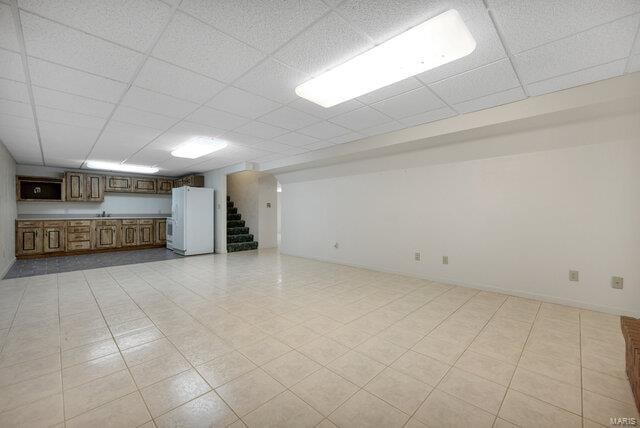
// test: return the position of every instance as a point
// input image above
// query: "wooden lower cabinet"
(42, 238)
(54, 236)
(129, 233)
(146, 235)
(29, 239)
(106, 234)
(161, 231)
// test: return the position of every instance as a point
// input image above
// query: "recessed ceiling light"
(197, 147)
(435, 42)
(115, 166)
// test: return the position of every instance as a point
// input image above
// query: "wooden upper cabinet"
(54, 236)
(119, 184)
(193, 180)
(94, 188)
(75, 186)
(29, 238)
(144, 184)
(165, 185)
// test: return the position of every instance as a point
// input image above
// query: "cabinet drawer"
(54, 224)
(107, 222)
(146, 221)
(130, 222)
(82, 229)
(79, 223)
(22, 223)
(82, 245)
(75, 237)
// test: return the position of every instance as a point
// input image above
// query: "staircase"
(238, 236)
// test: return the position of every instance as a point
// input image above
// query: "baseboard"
(484, 287)
(4, 272)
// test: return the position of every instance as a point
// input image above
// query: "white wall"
(251, 192)
(217, 180)
(513, 212)
(114, 203)
(7, 209)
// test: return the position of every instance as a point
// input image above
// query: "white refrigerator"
(190, 228)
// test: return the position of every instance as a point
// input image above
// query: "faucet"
(104, 214)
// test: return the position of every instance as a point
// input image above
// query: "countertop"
(87, 216)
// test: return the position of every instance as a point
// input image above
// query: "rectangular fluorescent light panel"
(198, 147)
(115, 166)
(435, 42)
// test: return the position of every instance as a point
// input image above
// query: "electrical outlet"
(617, 282)
(417, 256)
(445, 260)
(574, 275)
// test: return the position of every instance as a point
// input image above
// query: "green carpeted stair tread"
(234, 217)
(237, 230)
(241, 246)
(248, 237)
(235, 223)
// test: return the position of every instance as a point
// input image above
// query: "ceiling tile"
(261, 130)
(69, 118)
(496, 77)
(216, 118)
(272, 146)
(143, 118)
(54, 42)
(364, 117)
(488, 49)
(429, 116)
(201, 48)
(346, 138)
(64, 79)
(254, 22)
(634, 64)
(15, 108)
(319, 145)
(327, 43)
(526, 24)
(119, 140)
(130, 23)
(13, 91)
(73, 103)
(8, 38)
(323, 130)
(62, 141)
(397, 88)
(171, 80)
(322, 112)
(21, 142)
(410, 103)
(273, 80)
(242, 103)
(382, 19)
(288, 118)
(162, 146)
(242, 139)
(154, 102)
(295, 139)
(383, 128)
(581, 77)
(597, 46)
(11, 66)
(11, 121)
(506, 97)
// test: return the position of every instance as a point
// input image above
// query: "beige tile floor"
(260, 339)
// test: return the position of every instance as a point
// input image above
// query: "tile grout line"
(456, 360)
(177, 350)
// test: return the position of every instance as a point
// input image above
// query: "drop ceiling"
(128, 81)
